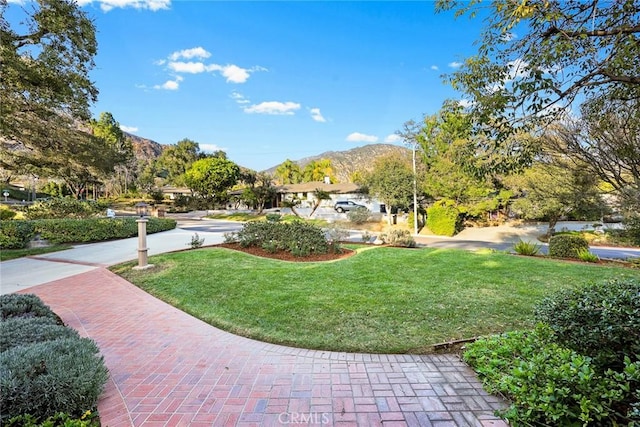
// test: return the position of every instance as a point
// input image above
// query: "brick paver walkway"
(170, 369)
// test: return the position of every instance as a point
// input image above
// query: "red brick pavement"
(170, 369)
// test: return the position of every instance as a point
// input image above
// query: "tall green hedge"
(16, 234)
(443, 218)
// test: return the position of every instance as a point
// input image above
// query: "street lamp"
(142, 212)
(415, 193)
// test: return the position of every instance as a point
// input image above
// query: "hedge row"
(17, 234)
(45, 368)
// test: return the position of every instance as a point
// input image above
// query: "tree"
(259, 189)
(115, 140)
(211, 178)
(288, 172)
(319, 196)
(537, 57)
(176, 159)
(45, 67)
(391, 181)
(317, 170)
(554, 188)
(605, 141)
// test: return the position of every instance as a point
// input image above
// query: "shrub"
(587, 256)
(64, 375)
(443, 218)
(25, 306)
(598, 320)
(88, 419)
(399, 237)
(359, 215)
(15, 234)
(551, 385)
(6, 213)
(273, 217)
(335, 236)
(632, 229)
(64, 207)
(366, 237)
(526, 248)
(297, 237)
(196, 241)
(566, 245)
(18, 331)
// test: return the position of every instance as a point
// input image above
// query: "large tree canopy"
(212, 177)
(44, 65)
(605, 141)
(537, 57)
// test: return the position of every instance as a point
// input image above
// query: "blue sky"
(265, 81)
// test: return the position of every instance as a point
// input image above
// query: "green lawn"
(8, 254)
(382, 300)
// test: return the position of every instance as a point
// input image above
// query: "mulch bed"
(287, 256)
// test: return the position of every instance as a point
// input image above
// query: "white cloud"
(231, 72)
(239, 98)
(107, 5)
(170, 84)
(317, 115)
(273, 107)
(130, 129)
(210, 148)
(517, 68)
(434, 68)
(235, 74)
(465, 103)
(195, 52)
(455, 64)
(393, 138)
(361, 137)
(187, 67)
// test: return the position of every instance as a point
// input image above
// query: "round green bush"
(25, 306)
(64, 375)
(598, 320)
(20, 331)
(567, 245)
(297, 237)
(443, 218)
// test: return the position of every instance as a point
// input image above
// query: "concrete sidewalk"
(22, 273)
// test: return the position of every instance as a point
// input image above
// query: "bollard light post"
(142, 212)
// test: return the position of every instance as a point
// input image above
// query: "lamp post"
(141, 211)
(415, 193)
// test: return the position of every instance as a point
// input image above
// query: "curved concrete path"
(170, 369)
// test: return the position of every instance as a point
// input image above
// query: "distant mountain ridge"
(145, 149)
(345, 163)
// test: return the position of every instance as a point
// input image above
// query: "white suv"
(347, 205)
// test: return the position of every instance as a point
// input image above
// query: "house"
(305, 192)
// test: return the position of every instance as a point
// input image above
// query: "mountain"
(346, 162)
(145, 149)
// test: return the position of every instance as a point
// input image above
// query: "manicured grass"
(8, 254)
(384, 300)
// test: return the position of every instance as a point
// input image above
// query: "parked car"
(346, 206)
